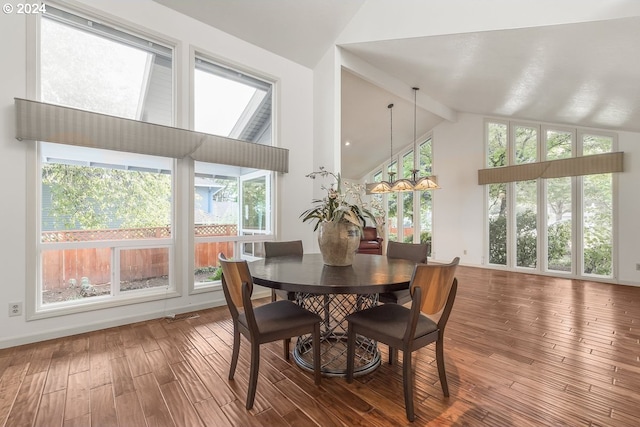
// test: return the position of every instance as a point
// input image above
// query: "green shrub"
(217, 274)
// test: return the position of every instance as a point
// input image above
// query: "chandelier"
(416, 183)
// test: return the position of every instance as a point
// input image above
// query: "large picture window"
(106, 217)
(533, 224)
(232, 205)
(409, 215)
(119, 187)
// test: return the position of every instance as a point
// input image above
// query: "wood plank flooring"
(521, 350)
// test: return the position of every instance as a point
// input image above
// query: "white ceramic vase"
(338, 242)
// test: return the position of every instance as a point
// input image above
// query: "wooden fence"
(61, 267)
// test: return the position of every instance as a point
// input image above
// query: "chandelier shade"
(426, 183)
(402, 185)
(379, 188)
(416, 183)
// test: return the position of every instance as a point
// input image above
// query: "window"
(496, 137)
(233, 205)
(392, 204)
(106, 217)
(407, 200)
(559, 201)
(597, 211)
(231, 103)
(526, 198)
(408, 214)
(87, 65)
(532, 224)
(425, 212)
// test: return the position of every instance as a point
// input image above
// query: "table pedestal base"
(333, 309)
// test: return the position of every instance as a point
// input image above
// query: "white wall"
(12, 175)
(628, 230)
(294, 115)
(326, 150)
(458, 217)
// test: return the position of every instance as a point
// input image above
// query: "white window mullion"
(511, 226)
(543, 227)
(541, 235)
(511, 203)
(579, 226)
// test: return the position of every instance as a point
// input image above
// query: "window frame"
(512, 187)
(381, 173)
(34, 308)
(542, 199)
(580, 134)
(577, 241)
(238, 241)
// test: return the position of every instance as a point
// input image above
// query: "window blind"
(575, 166)
(39, 121)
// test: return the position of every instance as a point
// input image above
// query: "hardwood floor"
(521, 350)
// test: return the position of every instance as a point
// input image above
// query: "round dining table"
(333, 293)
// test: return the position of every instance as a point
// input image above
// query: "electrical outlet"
(15, 309)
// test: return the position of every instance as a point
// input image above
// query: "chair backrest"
(234, 273)
(369, 233)
(274, 249)
(416, 252)
(435, 281)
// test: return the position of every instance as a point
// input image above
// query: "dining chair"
(266, 323)
(416, 252)
(288, 248)
(433, 289)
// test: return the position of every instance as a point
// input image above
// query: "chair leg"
(351, 352)
(317, 362)
(441, 371)
(407, 381)
(393, 355)
(253, 375)
(285, 345)
(273, 295)
(235, 351)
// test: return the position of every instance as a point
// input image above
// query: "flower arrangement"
(342, 203)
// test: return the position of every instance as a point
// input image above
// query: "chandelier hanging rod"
(416, 183)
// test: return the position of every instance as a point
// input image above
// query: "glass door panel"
(526, 224)
(498, 224)
(559, 224)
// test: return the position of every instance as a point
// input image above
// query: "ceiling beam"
(377, 77)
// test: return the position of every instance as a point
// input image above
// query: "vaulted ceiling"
(581, 74)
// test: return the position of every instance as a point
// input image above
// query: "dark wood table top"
(369, 274)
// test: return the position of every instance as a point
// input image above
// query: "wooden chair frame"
(270, 322)
(287, 248)
(433, 291)
(416, 252)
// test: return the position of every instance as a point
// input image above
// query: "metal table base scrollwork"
(333, 308)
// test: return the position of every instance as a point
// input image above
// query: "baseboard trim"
(111, 323)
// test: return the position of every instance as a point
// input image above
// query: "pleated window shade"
(39, 121)
(575, 166)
